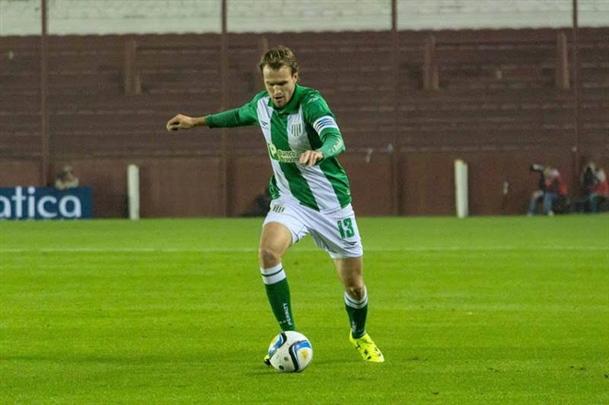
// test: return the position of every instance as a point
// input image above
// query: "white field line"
(306, 249)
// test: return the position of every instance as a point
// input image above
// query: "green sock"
(278, 293)
(357, 311)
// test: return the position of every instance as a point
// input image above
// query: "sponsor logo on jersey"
(284, 156)
(337, 146)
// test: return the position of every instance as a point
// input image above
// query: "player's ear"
(295, 76)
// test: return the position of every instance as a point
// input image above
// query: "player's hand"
(180, 121)
(310, 157)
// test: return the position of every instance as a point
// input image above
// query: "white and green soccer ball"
(290, 352)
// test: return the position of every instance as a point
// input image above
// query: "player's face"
(280, 84)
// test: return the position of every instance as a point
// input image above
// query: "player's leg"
(548, 203)
(282, 227)
(535, 197)
(594, 200)
(350, 272)
(338, 234)
(276, 238)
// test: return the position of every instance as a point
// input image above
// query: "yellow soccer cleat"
(267, 360)
(367, 348)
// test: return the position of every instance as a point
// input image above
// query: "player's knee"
(356, 292)
(268, 257)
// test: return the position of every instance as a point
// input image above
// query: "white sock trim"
(353, 303)
(273, 274)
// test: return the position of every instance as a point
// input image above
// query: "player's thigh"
(337, 233)
(275, 239)
(283, 226)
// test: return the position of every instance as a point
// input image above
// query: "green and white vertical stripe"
(323, 187)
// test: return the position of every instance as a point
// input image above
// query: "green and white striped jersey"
(305, 123)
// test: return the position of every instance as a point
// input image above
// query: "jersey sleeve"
(236, 117)
(320, 117)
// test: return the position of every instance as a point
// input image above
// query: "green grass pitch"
(481, 310)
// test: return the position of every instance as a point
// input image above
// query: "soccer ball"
(290, 352)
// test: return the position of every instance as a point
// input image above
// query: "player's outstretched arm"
(181, 121)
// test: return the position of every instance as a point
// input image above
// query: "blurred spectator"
(552, 191)
(595, 186)
(66, 179)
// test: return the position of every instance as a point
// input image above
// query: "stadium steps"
(90, 113)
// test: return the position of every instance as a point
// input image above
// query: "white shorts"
(334, 232)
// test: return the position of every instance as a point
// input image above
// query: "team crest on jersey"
(296, 129)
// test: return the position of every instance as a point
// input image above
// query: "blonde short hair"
(277, 57)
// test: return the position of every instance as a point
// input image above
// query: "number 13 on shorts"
(345, 228)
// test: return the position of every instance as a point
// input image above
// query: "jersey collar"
(292, 105)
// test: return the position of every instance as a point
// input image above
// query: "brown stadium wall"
(496, 99)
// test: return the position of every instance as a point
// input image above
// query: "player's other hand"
(310, 157)
(180, 121)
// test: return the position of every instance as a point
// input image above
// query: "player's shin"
(278, 293)
(357, 309)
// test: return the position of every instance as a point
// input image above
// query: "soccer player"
(309, 188)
